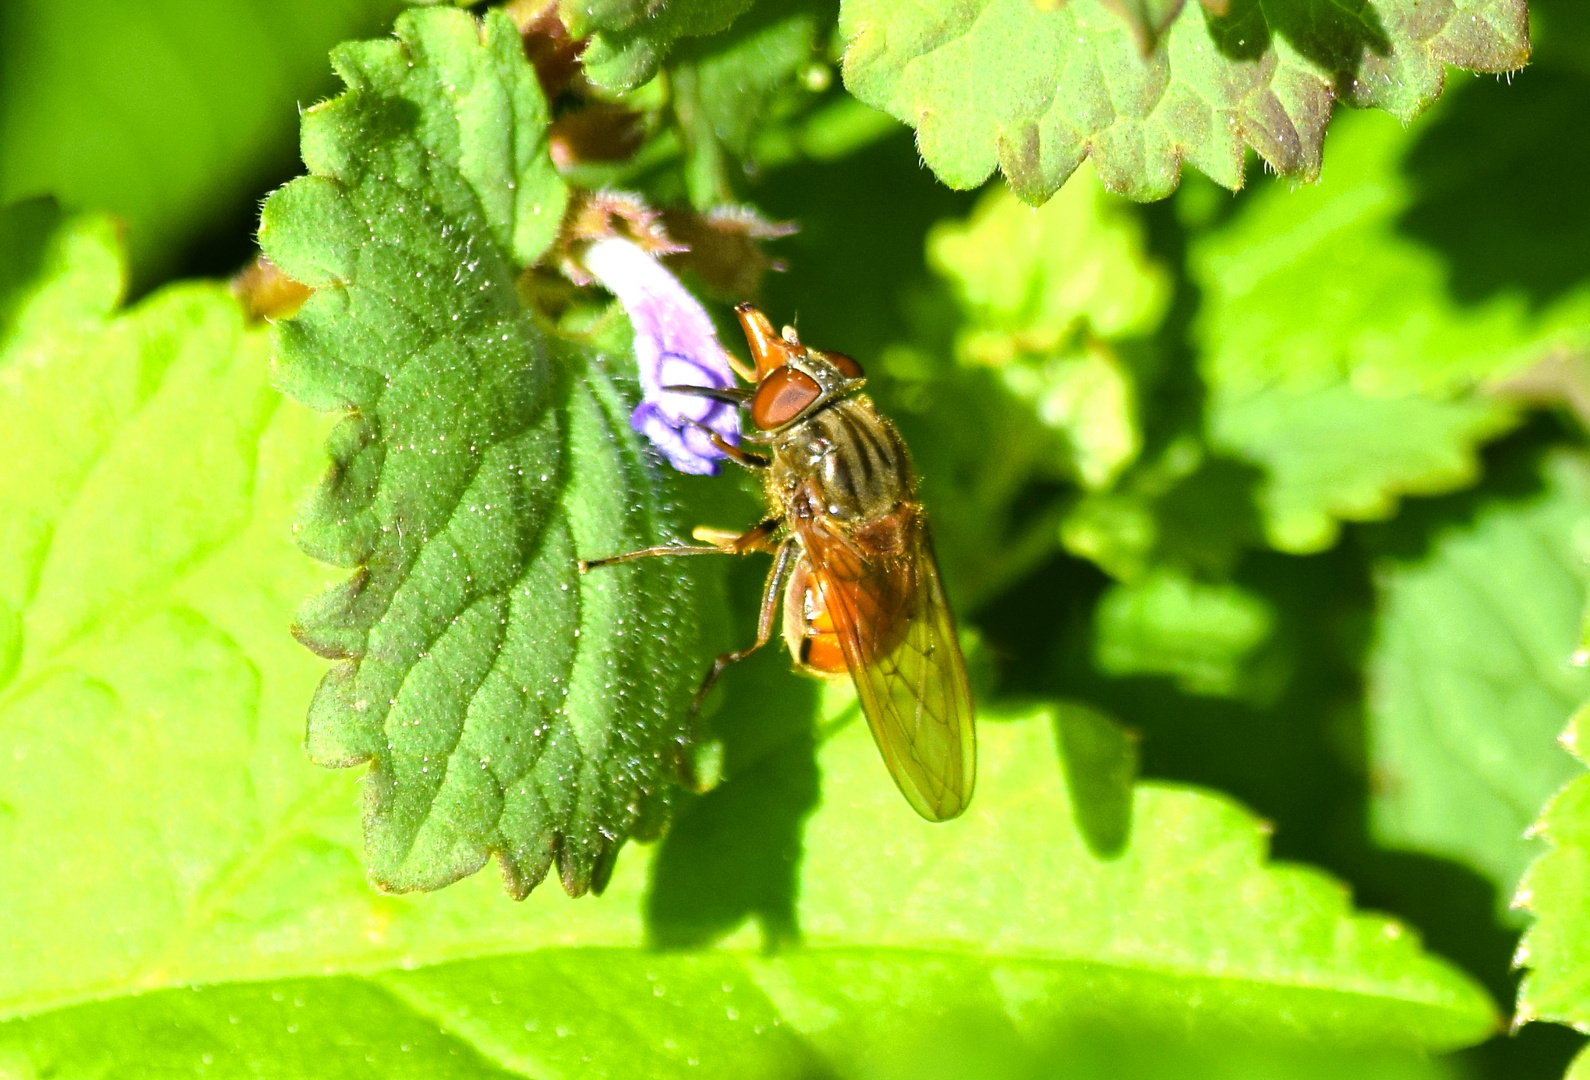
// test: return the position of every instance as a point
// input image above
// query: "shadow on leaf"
(1329, 34)
(1099, 758)
(1496, 161)
(734, 853)
(1301, 760)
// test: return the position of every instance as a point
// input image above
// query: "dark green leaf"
(507, 705)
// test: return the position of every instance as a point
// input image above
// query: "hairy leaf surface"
(507, 704)
(1034, 89)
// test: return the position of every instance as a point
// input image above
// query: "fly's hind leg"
(764, 633)
(764, 623)
(760, 537)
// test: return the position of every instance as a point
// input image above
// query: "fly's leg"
(738, 456)
(764, 623)
(732, 452)
(764, 633)
(721, 542)
(718, 542)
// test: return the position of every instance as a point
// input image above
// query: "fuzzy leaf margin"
(1556, 948)
(1034, 89)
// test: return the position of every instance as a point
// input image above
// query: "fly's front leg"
(732, 452)
(764, 623)
(718, 542)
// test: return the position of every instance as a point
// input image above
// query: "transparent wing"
(882, 590)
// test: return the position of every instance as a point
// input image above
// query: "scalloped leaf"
(507, 705)
(1034, 89)
(150, 765)
(629, 39)
(1555, 950)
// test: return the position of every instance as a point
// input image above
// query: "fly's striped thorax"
(856, 456)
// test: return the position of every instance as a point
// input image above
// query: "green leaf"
(1150, 18)
(137, 676)
(1470, 678)
(724, 88)
(1034, 89)
(631, 38)
(1041, 292)
(1337, 358)
(576, 1013)
(203, 107)
(507, 704)
(1164, 623)
(899, 918)
(1184, 510)
(1555, 949)
(1029, 279)
(150, 766)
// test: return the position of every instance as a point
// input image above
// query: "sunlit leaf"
(1203, 635)
(1471, 677)
(1556, 948)
(900, 920)
(147, 692)
(151, 766)
(618, 1012)
(1034, 89)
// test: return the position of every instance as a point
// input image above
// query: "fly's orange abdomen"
(809, 628)
(823, 653)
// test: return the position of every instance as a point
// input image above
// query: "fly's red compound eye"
(782, 396)
(846, 366)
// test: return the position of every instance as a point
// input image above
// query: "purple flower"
(675, 345)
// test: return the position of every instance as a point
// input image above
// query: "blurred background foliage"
(1278, 494)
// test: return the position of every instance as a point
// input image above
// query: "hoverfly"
(851, 557)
